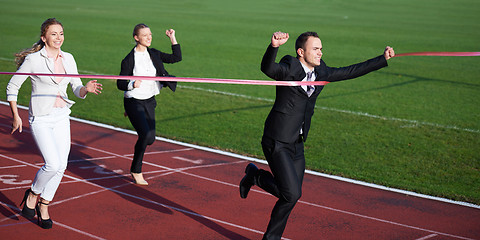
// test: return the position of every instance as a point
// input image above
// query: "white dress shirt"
(143, 67)
(307, 70)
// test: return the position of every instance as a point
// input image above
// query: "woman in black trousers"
(139, 97)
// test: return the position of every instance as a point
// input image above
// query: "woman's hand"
(171, 34)
(137, 83)
(17, 121)
(17, 124)
(94, 87)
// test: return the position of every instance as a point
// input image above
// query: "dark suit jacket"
(293, 109)
(158, 58)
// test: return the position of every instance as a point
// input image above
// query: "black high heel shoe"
(45, 224)
(26, 211)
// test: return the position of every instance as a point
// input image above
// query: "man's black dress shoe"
(248, 180)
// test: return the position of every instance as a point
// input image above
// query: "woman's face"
(54, 36)
(144, 37)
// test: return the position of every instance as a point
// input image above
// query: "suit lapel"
(154, 60)
(49, 63)
(161, 72)
(298, 74)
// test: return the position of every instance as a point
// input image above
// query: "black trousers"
(141, 114)
(287, 164)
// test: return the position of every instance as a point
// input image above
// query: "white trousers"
(52, 135)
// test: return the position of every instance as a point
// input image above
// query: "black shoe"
(249, 180)
(45, 224)
(26, 211)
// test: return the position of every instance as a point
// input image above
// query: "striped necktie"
(310, 88)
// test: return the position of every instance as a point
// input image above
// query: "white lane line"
(427, 237)
(384, 221)
(113, 189)
(78, 231)
(13, 166)
(55, 222)
(242, 157)
(224, 183)
(125, 155)
(198, 161)
(361, 183)
(311, 204)
(394, 119)
(238, 156)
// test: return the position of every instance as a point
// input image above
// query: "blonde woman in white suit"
(49, 113)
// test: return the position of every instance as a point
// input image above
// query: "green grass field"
(414, 125)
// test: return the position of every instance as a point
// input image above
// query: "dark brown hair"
(302, 39)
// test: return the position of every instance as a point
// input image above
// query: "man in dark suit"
(288, 123)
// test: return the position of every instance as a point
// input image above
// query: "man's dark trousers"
(287, 164)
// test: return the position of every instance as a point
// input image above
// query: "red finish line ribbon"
(235, 81)
(179, 79)
(443, 54)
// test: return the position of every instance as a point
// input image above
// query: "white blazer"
(44, 88)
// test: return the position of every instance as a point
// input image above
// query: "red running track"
(193, 194)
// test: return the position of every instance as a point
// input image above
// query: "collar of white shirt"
(44, 53)
(307, 70)
(137, 52)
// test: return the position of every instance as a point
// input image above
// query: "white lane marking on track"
(78, 231)
(385, 221)
(126, 155)
(13, 166)
(103, 189)
(234, 185)
(264, 162)
(218, 181)
(316, 205)
(12, 179)
(101, 169)
(354, 214)
(56, 222)
(198, 161)
(427, 237)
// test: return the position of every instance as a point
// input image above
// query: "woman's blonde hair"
(20, 56)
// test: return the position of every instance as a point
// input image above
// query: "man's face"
(311, 53)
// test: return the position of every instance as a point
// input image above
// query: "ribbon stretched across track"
(443, 54)
(178, 79)
(235, 81)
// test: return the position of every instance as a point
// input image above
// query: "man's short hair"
(302, 39)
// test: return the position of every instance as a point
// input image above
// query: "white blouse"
(143, 67)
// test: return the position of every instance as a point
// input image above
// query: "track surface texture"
(193, 194)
